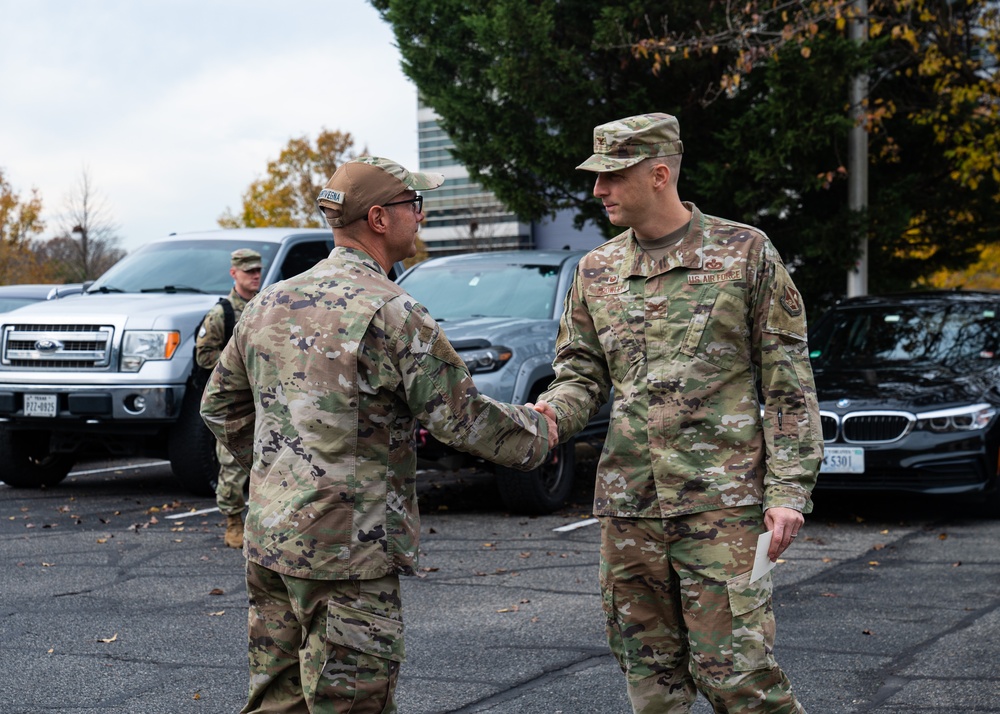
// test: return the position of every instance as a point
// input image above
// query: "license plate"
(843, 460)
(41, 405)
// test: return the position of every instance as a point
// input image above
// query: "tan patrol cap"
(625, 142)
(245, 259)
(359, 184)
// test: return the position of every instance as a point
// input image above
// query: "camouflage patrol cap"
(625, 142)
(245, 259)
(369, 181)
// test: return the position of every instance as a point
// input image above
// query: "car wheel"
(191, 449)
(25, 460)
(541, 490)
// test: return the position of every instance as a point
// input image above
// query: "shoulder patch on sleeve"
(786, 314)
(791, 301)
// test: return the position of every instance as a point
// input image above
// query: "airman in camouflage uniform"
(683, 315)
(245, 269)
(318, 395)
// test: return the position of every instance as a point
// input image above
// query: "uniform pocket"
(363, 652)
(365, 632)
(717, 329)
(753, 622)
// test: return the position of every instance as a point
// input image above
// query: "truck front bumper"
(41, 404)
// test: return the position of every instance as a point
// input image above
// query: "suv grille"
(829, 427)
(874, 427)
(57, 346)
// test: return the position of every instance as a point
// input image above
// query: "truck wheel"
(191, 449)
(25, 461)
(540, 490)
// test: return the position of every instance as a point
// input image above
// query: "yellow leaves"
(108, 640)
(805, 51)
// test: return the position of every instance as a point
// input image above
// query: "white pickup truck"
(108, 371)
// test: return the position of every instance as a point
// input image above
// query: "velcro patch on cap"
(330, 195)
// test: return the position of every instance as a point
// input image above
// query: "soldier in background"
(215, 331)
(684, 315)
(318, 394)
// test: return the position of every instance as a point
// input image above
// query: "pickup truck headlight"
(971, 418)
(489, 359)
(140, 346)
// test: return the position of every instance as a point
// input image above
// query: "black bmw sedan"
(909, 393)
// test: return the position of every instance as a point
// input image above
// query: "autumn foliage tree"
(20, 222)
(932, 114)
(761, 91)
(286, 195)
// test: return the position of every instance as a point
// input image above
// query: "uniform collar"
(687, 253)
(354, 255)
(236, 300)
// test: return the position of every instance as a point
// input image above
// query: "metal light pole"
(84, 249)
(857, 154)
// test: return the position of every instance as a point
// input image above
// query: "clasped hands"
(546, 410)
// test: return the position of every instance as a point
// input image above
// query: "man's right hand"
(546, 410)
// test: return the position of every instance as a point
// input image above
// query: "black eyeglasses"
(418, 200)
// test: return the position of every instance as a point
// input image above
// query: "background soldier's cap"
(245, 259)
(369, 181)
(625, 142)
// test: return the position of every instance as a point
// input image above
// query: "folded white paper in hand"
(761, 563)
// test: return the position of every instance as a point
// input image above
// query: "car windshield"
(181, 266)
(454, 291)
(954, 335)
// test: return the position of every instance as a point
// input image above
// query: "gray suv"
(501, 312)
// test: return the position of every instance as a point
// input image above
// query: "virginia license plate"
(41, 405)
(843, 460)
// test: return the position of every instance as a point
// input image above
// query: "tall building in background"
(463, 217)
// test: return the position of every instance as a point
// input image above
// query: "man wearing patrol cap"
(684, 317)
(318, 394)
(216, 328)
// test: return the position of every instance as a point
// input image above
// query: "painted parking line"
(188, 514)
(574, 526)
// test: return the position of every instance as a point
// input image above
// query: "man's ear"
(377, 219)
(661, 175)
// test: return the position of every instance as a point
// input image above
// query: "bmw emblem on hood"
(843, 403)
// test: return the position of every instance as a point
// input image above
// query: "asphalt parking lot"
(117, 599)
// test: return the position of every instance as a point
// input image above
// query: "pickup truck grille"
(57, 346)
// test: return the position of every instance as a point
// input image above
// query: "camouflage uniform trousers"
(232, 481)
(682, 616)
(323, 646)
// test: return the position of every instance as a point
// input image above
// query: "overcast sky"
(175, 106)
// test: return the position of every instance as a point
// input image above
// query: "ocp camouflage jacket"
(317, 395)
(684, 343)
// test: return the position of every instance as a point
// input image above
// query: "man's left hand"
(784, 524)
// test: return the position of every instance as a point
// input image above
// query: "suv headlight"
(978, 416)
(489, 359)
(140, 346)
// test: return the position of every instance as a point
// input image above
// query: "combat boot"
(234, 530)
